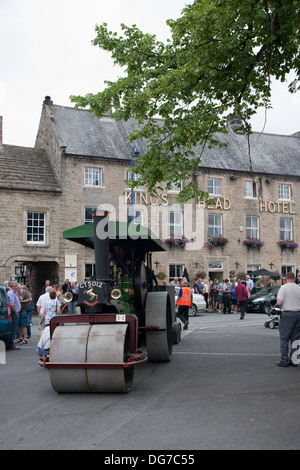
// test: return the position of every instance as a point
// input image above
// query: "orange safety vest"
(248, 292)
(186, 297)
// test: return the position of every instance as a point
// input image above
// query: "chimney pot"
(48, 101)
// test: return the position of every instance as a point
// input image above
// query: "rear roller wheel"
(105, 343)
(176, 332)
(158, 313)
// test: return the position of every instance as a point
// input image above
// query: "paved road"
(222, 390)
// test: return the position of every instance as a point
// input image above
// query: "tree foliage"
(219, 61)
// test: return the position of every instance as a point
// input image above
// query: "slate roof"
(270, 154)
(87, 135)
(26, 169)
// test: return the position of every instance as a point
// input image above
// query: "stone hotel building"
(80, 162)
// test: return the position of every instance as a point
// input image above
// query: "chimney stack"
(48, 101)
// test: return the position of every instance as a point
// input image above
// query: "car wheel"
(193, 311)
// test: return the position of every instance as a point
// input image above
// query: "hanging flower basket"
(174, 241)
(252, 242)
(217, 240)
(287, 245)
(161, 275)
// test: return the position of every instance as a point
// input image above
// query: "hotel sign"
(278, 207)
(220, 203)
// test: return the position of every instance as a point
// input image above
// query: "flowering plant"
(217, 240)
(176, 241)
(161, 275)
(288, 244)
(252, 242)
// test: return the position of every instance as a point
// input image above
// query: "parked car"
(199, 303)
(5, 317)
(264, 301)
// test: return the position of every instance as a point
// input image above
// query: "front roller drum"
(159, 330)
(99, 344)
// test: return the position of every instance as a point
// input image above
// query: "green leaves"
(219, 61)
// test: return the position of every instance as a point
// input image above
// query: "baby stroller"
(274, 313)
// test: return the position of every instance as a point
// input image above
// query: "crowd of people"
(227, 296)
(232, 296)
(51, 302)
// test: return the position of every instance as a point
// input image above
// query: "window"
(175, 270)
(215, 265)
(175, 187)
(250, 189)
(214, 224)
(92, 176)
(286, 228)
(137, 216)
(252, 226)
(90, 270)
(134, 177)
(252, 267)
(88, 214)
(286, 269)
(36, 228)
(214, 186)
(175, 224)
(284, 192)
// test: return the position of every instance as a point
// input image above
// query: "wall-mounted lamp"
(270, 181)
(197, 173)
(233, 177)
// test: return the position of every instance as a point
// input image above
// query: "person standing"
(47, 284)
(226, 296)
(50, 309)
(288, 299)
(242, 296)
(234, 300)
(258, 285)
(73, 304)
(25, 299)
(15, 306)
(175, 282)
(249, 283)
(214, 294)
(184, 302)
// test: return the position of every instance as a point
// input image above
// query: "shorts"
(214, 296)
(23, 318)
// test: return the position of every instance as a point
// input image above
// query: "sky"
(45, 49)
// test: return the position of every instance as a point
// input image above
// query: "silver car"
(199, 303)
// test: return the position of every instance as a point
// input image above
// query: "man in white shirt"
(249, 283)
(40, 305)
(288, 298)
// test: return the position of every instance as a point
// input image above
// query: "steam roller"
(126, 318)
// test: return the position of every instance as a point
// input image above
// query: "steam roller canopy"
(100, 343)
